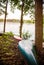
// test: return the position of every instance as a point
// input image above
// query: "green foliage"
(29, 21)
(13, 4)
(25, 35)
(2, 6)
(43, 19)
(5, 43)
(43, 31)
(9, 33)
(27, 5)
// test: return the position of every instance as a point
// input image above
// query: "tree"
(21, 21)
(38, 25)
(3, 9)
(5, 15)
(25, 6)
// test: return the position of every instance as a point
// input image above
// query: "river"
(14, 27)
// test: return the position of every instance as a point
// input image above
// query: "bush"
(26, 35)
(9, 33)
(5, 42)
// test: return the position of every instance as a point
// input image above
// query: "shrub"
(5, 43)
(26, 35)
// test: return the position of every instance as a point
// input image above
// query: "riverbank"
(9, 52)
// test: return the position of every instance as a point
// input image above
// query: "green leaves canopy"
(2, 6)
(27, 5)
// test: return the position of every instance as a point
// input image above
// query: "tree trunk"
(5, 16)
(21, 21)
(38, 25)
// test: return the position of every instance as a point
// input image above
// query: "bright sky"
(15, 15)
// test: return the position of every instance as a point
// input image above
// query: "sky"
(15, 15)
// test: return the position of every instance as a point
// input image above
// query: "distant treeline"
(17, 20)
(29, 21)
(9, 20)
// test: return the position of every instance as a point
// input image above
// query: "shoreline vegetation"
(17, 20)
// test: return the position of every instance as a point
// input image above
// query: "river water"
(14, 27)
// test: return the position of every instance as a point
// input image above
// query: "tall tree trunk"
(38, 25)
(5, 16)
(21, 21)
